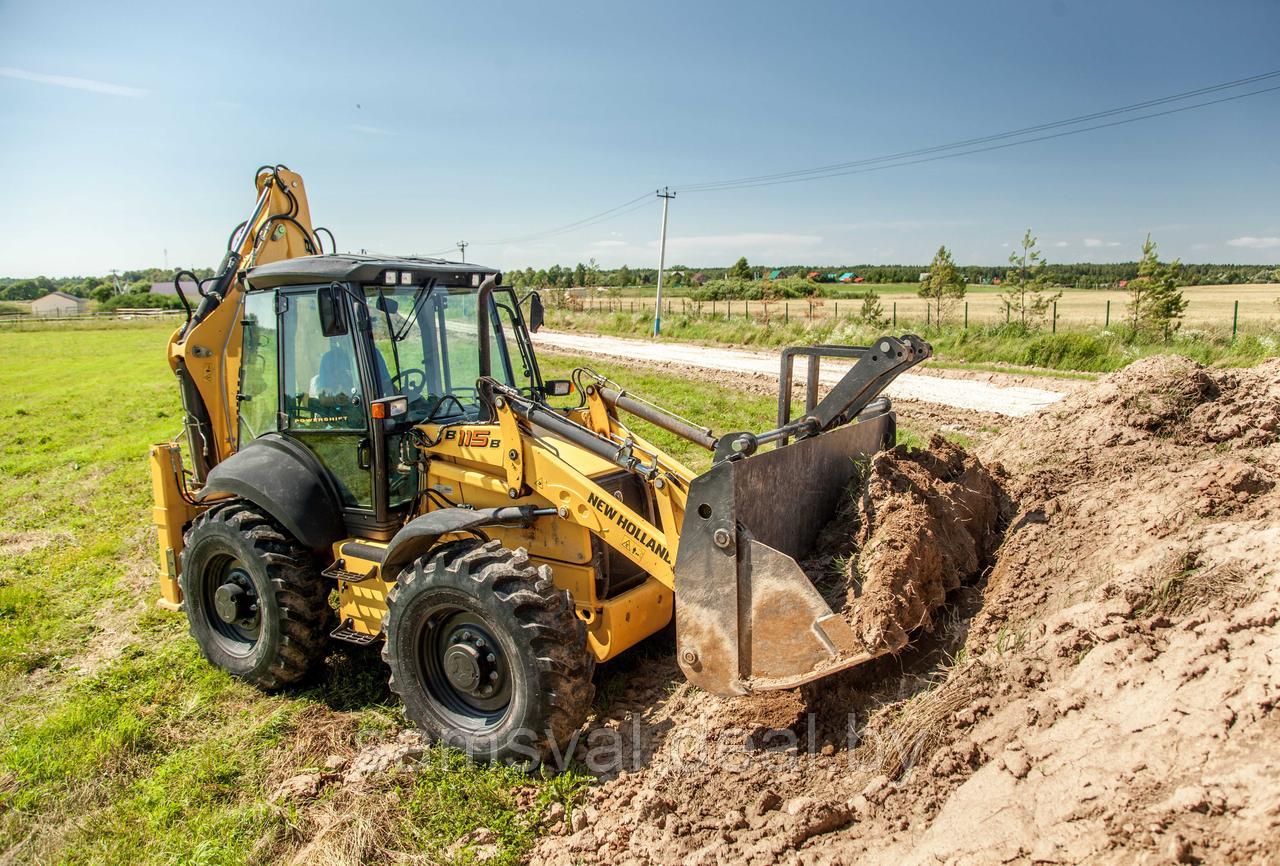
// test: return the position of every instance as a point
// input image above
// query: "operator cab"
(344, 354)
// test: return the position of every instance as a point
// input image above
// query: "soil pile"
(1109, 691)
(921, 523)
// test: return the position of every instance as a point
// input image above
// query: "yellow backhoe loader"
(372, 455)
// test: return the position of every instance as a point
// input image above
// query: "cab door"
(324, 400)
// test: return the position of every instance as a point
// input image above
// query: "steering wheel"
(411, 382)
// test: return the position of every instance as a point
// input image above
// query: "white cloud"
(74, 83)
(369, 130)
(1252, 243)
(1061, 244)
(1093, 243)
(609, 244)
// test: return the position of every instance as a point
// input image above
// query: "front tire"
(487, 654)
(256, 604)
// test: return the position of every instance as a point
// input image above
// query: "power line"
(839, 169)
(605, 215)
(918, 156)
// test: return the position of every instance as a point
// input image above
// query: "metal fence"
(1076, 310)
(122, 314)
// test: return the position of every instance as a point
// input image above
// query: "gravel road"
(958, 393)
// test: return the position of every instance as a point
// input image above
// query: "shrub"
(142, 300)
(728, 289)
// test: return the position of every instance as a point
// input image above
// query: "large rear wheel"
(256, 604)
(487, 654)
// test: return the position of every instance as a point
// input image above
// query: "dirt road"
(958, 393)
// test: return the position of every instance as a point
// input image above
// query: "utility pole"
(666, 195)
(462, 245)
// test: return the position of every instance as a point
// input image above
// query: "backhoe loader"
(372, 455)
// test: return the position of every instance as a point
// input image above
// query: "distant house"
(773, 275)
(813, 275)
(859, 279)
(846, 277)
(1123, 284)
(59, 304)
(166, 289)
(699, 278)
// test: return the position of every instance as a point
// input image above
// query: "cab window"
(321, 380)
(259, 385)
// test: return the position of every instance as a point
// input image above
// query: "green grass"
(1089, 351)
(118, 743)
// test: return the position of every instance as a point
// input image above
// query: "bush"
(728, 290)
(142, 300)
(790, 287)
(732, 289)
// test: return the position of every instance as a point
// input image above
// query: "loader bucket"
(747, 617)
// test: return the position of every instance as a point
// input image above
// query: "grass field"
(978, 346)
(1211, 307)
(118, 743)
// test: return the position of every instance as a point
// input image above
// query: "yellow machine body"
(610, 506)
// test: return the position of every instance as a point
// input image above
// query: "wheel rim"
(231, 605)
(464, 668)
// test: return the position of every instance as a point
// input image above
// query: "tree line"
(103, 289)
(1082, 275)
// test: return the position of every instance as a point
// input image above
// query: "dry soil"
(1101, 684)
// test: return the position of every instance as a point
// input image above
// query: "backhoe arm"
(205, 352)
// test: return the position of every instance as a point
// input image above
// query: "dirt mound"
(925, 521)
(1109, 691)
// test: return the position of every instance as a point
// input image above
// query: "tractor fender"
(284, 479)
(422, 533)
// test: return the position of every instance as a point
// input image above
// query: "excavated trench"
(1093, 672)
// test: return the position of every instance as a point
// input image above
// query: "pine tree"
(1026, 280)
(1156, 304)
(943, 288)
(872, 312)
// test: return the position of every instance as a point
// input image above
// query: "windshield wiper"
(424, 292)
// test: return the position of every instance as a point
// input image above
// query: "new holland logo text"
(628, 526)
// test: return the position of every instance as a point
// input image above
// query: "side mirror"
(329, 302)
(536, 312)
(557, 387)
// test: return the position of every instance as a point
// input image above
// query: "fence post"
(966, 315)
(786, 312)
(895, 315)
(1235, 321)
(1006, 312)
(1106, 323)
(1055, 317)
(837, 309)
(928, 313)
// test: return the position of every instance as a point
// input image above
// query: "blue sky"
(130, 129)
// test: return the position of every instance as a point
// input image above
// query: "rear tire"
(256, 604)
(487, 654)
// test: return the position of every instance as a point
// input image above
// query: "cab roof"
(347, 267)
